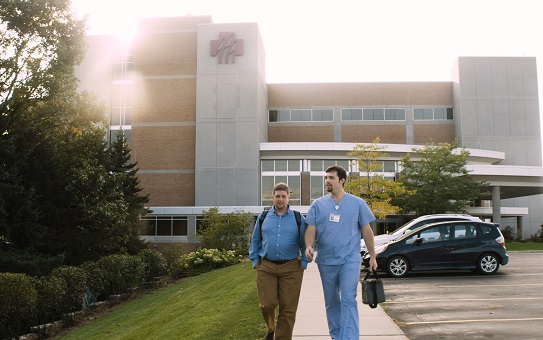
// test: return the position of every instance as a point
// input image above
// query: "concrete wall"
(230, 108)
(497, 107)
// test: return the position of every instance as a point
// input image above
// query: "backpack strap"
(261, 220)
(298, 217)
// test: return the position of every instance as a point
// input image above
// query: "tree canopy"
(373, 187)
(438, 181)
(63, 192)
(229, 231)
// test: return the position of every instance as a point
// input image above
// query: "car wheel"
(397, 266)
(488, 264)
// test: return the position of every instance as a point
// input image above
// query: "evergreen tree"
(126, 173)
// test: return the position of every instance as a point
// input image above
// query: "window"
(323, 115)
(373, 114)
(438, 113)
(281, 170)
(465, 231)
(389, 166)
(386, 166)
(166, 226)
(394, 114)
(317, 187)
(121, 95)
(113, 135)
(322, 164)
(199, 224)
(317, 168)
(267, 165)
(301, 115)
(434, 234)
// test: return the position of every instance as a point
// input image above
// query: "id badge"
(334, 217)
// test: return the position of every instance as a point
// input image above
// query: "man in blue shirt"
(336, 222)
(275, 251)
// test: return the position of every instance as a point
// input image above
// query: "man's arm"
(367, 234)
(310, 234)
(256, 244)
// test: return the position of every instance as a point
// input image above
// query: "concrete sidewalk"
(311, 323)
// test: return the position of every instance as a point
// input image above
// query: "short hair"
(341, 172)
(281, 186)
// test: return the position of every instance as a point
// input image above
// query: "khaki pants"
(279, 285)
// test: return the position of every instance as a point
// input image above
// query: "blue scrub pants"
(340, 285)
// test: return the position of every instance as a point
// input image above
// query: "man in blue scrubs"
(276, 246)
(336, 222)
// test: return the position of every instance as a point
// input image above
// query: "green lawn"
(514, 246)
(222, 304)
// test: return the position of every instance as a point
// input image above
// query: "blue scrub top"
(338, 228)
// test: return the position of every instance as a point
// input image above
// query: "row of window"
(167, 225)
(298, 165)
(301, 115)
(289, 172)
(359, 114)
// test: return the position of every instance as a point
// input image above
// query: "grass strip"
(221, 304)
(520, 246)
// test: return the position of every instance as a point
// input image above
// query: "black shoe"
(269, 336)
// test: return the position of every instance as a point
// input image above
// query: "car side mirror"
(419, 240)
(408, 230)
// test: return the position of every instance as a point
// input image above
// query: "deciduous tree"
(438, 181)
(372, 186)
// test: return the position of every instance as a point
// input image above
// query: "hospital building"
(206, 130)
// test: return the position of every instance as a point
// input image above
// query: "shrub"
(508, 234)
(122, 272)
(97, 283)
(171, 254)
(204, 260)
(20, 261)
(51, 292)
(76, 284)
(18, 301)
(538, 236)
(155, 264)
(226, 231)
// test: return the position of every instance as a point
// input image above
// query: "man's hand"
(372, 264)
(309, 253)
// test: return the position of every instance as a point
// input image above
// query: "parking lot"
(466, 305)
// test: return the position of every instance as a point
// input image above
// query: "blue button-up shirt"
(278, 239)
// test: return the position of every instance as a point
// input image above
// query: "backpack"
(297, 215)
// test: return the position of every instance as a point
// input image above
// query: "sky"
(354, 40)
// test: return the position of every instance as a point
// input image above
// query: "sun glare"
(119, 20)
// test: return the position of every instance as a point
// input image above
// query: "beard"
(329, 188)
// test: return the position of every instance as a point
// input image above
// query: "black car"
(444, 245)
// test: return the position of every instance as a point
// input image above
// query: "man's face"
(332, 182)
(280, 199)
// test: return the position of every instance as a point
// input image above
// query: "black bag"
(373, 291)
